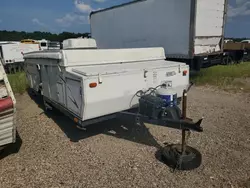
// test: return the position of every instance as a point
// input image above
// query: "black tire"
(228, 60)
(171, 156)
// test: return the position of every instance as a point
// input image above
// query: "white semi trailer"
(191, 31)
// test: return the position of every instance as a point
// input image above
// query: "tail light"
(185, 72)
(93, 84)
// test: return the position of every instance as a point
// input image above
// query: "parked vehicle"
(29, 41)
(43, 44)
(7, 110)
(245, 41)
(236, 52)
(228, 40)
(12, 55)
(52, 45)
(91, 85)
(191, 31)
(48, 45)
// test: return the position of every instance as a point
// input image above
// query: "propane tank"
(167, 94)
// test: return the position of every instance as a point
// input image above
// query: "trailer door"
(209, 29)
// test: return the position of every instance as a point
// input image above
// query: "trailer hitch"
(177, 156)
(182, 124)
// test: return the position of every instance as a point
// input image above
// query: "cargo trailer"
(191, 31)
(90, 84)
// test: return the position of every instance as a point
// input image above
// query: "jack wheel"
(172, 156)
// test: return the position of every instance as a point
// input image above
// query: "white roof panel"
(51, 54)
(107, 56)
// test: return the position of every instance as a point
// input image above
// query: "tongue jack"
(182, 157)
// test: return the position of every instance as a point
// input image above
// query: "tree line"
(37, 35)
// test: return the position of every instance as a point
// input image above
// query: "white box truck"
(191, 31)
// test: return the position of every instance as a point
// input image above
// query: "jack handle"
(189, 87)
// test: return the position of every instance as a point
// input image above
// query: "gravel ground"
(51, 152)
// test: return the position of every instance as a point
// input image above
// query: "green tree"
(38, 35)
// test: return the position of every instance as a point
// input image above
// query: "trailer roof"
(76, 57)
(125, 67)
(116, 6)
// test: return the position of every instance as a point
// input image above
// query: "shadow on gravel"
(120, 129)
(11, 148)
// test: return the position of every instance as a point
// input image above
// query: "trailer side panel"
(150, 23)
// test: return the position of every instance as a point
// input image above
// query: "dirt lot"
(51, 152)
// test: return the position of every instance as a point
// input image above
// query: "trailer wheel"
(171, 155)
(228, 60)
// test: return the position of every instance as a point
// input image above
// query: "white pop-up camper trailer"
(89, 84)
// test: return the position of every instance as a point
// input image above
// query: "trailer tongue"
(157, 110)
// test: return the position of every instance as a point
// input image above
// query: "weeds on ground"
(228, 77)
(18, 82)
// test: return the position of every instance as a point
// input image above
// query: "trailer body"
(89, 84)
(12, 54)
(7, 110)
(186, 29)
